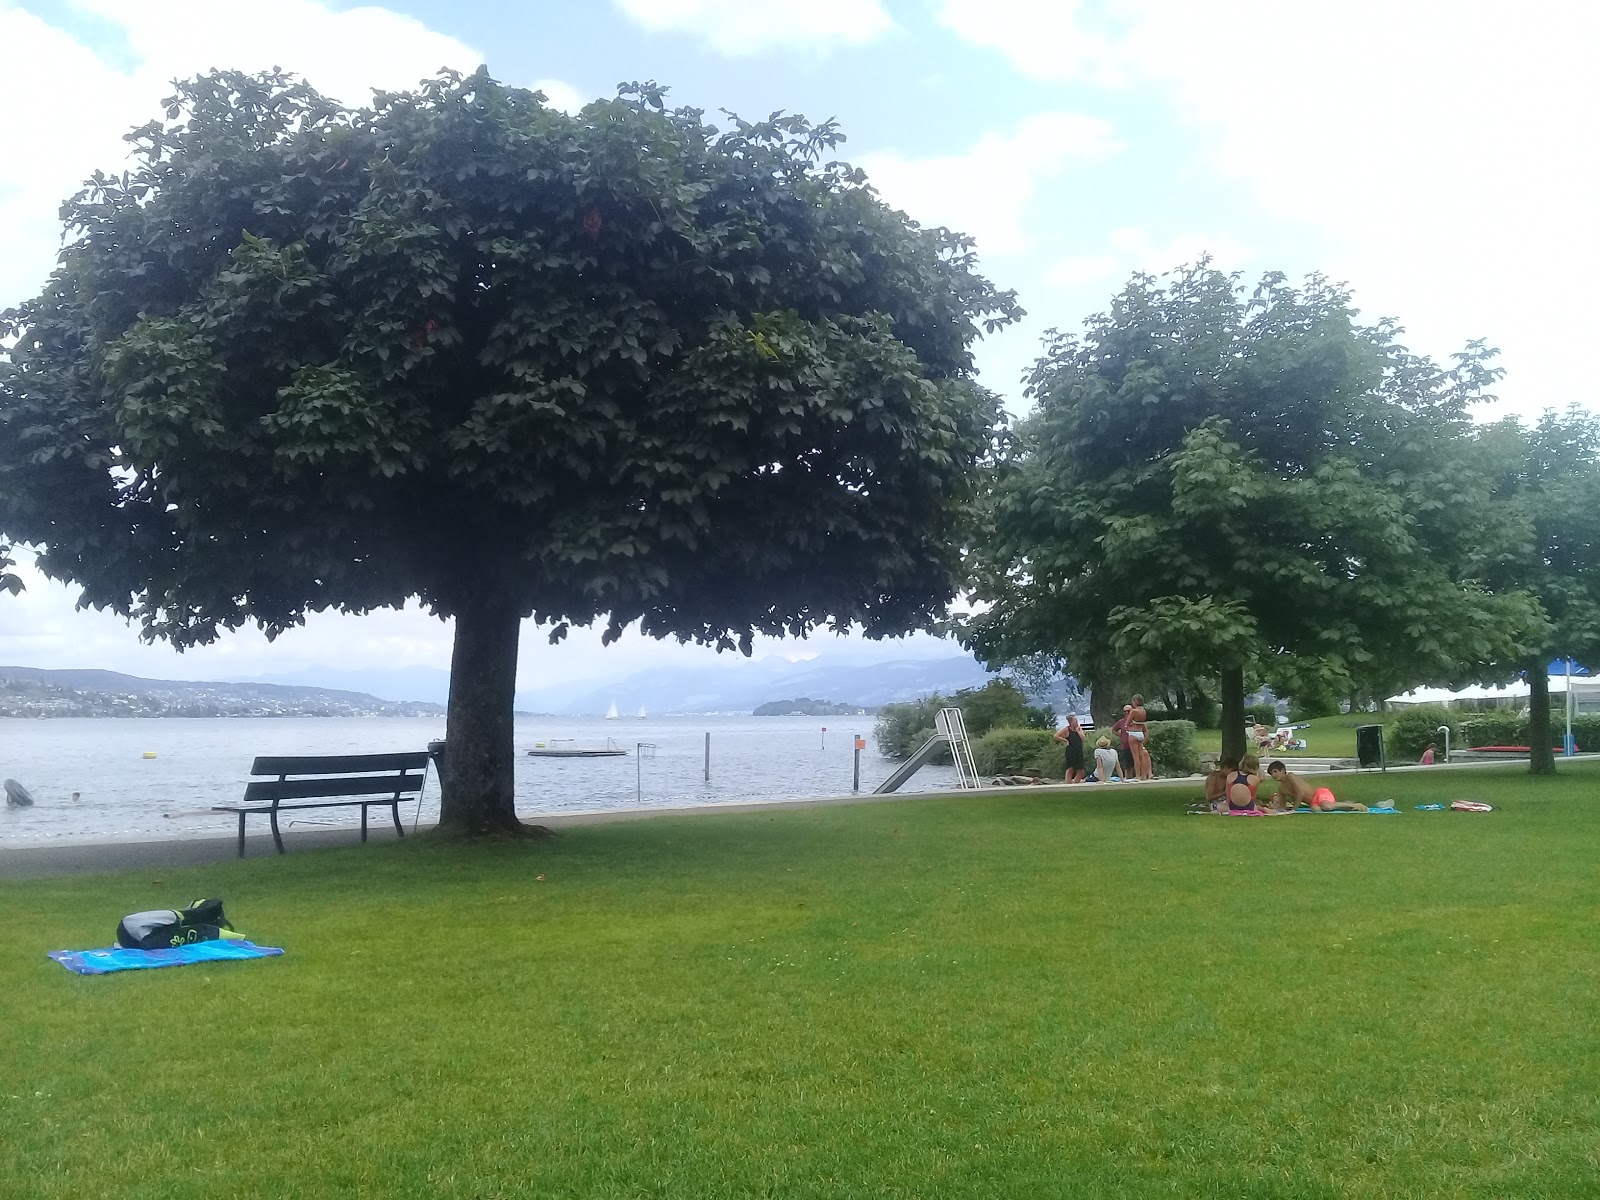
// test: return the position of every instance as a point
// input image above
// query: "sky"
(1435, 156)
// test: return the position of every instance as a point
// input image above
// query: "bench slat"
(266, 791)
(340, 764)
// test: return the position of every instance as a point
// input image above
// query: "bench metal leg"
(394, 811)
(363, 822)
(241, 835)
(277, 837)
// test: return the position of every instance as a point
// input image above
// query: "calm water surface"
(202, 762)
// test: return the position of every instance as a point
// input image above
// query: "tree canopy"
(461, 346)
(1550, 487)
(1225, 480)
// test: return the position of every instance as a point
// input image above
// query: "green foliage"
(8, 581)
(1312, 701)
(1512, 729)
(901, 729)
(1005, 751)
(1409, 733)
(463, 347)
(1262, 714)
(1171, 747)
(1550, 488)
(1000, 704)
(1220, 478)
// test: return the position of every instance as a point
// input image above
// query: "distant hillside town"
(804, 706)
(34, 692)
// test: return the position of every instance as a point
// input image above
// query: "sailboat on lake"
(611, 713)
(641, 713)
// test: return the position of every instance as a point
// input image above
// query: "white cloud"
(1438, 148)
(988, 190)
(1045, 39)
(741, 27)
(560, 95)
(80, 104)
(1129, 250)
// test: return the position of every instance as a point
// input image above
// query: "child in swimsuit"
(1243, 783)
(1293, 790)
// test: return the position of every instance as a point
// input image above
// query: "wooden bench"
(337, 778)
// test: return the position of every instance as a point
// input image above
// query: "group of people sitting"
(1128, 759)
(1232, 788)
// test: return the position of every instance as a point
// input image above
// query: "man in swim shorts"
(1294, 790)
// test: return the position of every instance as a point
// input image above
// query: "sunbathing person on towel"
(1294, 790)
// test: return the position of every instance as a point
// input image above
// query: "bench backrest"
(339, 775)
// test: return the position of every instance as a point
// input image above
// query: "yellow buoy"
(149, 753)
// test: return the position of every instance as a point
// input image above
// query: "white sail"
(641, 712)
(611, 713)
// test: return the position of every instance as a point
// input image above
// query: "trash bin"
(1369, 746)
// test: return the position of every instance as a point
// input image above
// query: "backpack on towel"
(163, 928)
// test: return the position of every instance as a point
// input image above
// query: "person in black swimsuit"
(1072, 734)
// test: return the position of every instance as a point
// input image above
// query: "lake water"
(201, 762)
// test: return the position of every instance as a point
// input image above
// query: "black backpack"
(163, 928)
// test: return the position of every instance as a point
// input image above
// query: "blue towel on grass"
(103, 962)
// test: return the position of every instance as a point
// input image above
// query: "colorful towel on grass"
(112, 958)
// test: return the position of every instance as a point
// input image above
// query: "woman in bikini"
(1137, 739)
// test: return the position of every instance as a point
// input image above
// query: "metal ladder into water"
(948, 722)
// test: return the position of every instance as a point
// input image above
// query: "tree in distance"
(1550, 481)
(1220, 481)
(462, 347)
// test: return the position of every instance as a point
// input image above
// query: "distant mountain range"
(39, 692)
(728, 684)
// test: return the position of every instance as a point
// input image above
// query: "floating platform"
(565, 752)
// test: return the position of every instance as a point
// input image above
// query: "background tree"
(463, 347)
(1221, 481)
(1550, 482)
(9, 582)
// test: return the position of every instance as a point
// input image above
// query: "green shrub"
(1012, 751)
(1312, 701)
(1050, 762)
(1408, 734)
(999, 704)
(1493, 729)
(1262, 714)
(1205, 712)
(1511, 729)
(902, 729)
(1171, 747)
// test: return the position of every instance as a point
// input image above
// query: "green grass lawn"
(1079, 994)
(1327, 737)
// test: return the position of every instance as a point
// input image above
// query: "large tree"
(462, 347)
(1550, 483)
(1230, 481)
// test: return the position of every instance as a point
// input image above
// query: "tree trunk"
(476, 774)
(1541, 761)
(1107, 694)
(1233, 744)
